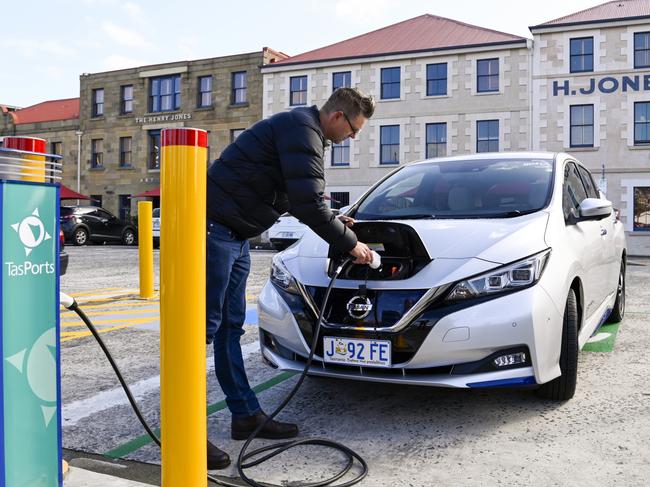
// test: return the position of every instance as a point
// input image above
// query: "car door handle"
(603, 232)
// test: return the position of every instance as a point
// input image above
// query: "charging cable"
(273, 450)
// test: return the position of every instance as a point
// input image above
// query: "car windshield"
(483, 188)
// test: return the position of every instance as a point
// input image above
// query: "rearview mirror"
(594, 209)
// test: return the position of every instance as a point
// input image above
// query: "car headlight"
(281, 277)
(518, 275)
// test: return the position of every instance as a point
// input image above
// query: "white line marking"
(76, 411)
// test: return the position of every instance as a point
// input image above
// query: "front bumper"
(446, 346)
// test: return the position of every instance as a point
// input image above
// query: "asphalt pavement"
(410, 436)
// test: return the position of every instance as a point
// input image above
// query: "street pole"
(79, 133)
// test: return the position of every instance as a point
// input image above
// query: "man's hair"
(351, 102)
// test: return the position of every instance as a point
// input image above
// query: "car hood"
(499, 241)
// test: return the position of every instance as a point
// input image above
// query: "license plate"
(369, 353)
(286, 234)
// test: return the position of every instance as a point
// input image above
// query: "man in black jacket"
(273, 167)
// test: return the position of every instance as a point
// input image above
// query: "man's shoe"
(217, 459)
(274, 430)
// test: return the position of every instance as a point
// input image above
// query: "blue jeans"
(228, 265)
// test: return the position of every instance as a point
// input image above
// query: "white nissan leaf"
(496, 270)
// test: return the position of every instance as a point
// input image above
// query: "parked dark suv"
(82, 224)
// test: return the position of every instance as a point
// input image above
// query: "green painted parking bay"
(603, 340)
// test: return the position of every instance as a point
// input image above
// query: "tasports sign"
(605, 85)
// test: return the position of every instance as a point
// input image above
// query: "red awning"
(68, 194)
(150, 193)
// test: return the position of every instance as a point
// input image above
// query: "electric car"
(496, 270)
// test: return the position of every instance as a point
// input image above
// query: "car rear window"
(66, 211)
(472, 188)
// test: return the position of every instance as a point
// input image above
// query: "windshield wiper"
(511, 214)
(416, 216)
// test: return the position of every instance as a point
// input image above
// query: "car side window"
(592, 191)
(573, 193)
(103, 214)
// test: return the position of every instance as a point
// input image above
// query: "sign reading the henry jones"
(173, 117)
(607, 84)
(30, 438)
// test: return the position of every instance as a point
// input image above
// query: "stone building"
(118, 117)
(591, 97)
(442, 87)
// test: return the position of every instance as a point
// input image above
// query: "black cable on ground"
(274, 449)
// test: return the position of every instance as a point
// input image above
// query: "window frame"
(201, 92)
(383, 144)
(489, 139)
(299, 92)
(124, 100)
(582, 126)
(583, 55)
(645, 50)
(434, 79)
(489, 76)
(97, 105)
(634, 211)
(235, 90)
(153, 157)
(339, 199)
(123, 162)
(175, 94)
(97, 156)
(390, 84)
(341, 149)
(638, 142)
(347, 75)
(437, 144)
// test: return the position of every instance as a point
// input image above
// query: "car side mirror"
(595, 209)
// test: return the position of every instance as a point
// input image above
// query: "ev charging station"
(30, 388)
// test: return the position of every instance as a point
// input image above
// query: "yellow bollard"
(182, 307)
(145, 248)
(36, 170)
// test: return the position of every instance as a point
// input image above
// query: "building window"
(641, 209)
(487, 75)
(339, 199)
(97, 153)
(341, 80)
(642, 49)
(56, 148)
(239, 87)
(436, 140)
(165, 95)
(205, 91)
(390, 83)
(98, 102)
(389, 144)
(298, 90)
(582, 54)
(341, 154)
(125, 151)
(487, 136)
(125, 207)
(96, 200)
(582, 126)
(234, 133)
(642, 123)
(126, 99)
(436, 79)
(154, 149)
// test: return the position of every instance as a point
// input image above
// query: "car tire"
(616, 316)
(80, 237)
(563, 388)
(128, 237)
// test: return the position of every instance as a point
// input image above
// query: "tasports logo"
(31, 233)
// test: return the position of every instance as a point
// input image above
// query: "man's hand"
(346, 220)
(361, 253)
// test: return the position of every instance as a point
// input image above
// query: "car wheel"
(619, 305)
(564, 387)
(128, 237)
(80, 236)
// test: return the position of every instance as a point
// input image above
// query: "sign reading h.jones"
(607, 84)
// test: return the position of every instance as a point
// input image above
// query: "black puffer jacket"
(273, 167)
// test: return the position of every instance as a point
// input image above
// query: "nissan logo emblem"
(359, 307)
